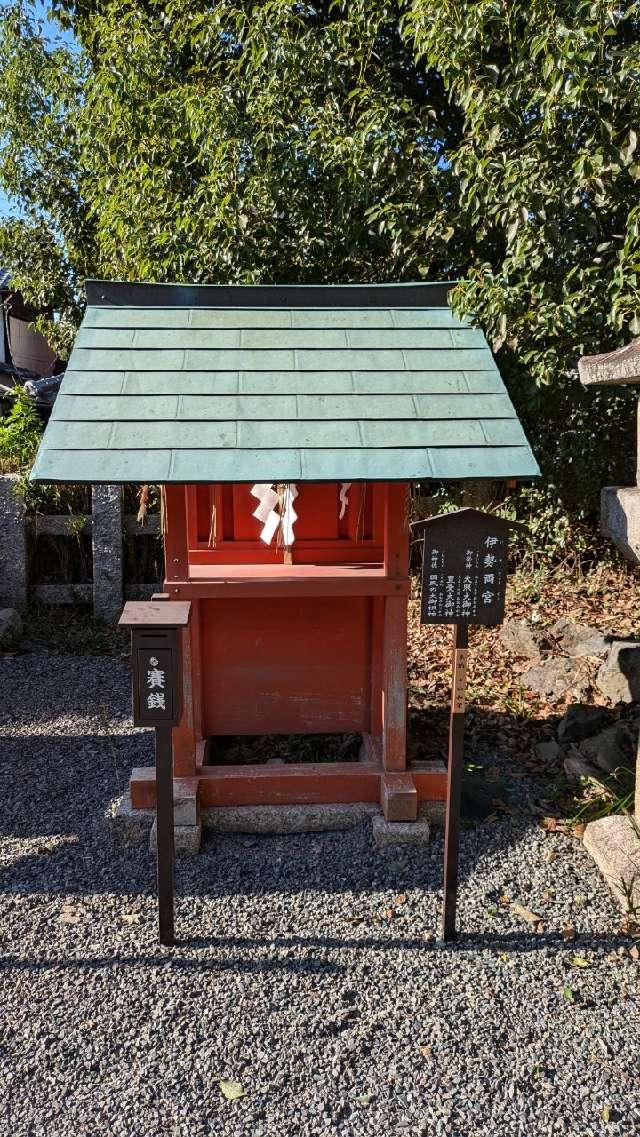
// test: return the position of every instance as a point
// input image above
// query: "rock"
(614, 844)
(553, 678)
(576, 766)
(579, 639)
(619, 677)
(547, 751)
(611, 749)
(521, 639)
(581, 720)
(10, 625)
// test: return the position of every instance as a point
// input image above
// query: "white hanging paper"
(266, 512)
(344, 501)
(289, 515)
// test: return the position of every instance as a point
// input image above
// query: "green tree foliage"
(363, 140)
(548, 175)
(20, 433)
(49, 247)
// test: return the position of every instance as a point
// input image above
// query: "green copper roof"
(220, 383)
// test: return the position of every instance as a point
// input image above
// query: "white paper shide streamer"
(344, 500)
(275, 510)
(272, 518)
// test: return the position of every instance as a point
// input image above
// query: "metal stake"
(165, 855)
(454, 779)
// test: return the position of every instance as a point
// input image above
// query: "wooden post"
(394, 684)
(188, 734)
(165, 850)
(454, 779)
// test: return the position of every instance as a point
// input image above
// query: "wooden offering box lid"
(155, 614)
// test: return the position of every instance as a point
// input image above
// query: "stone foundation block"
(185, 801)
(131, 825)
(400, 832)
(186, 837)
(620, 519)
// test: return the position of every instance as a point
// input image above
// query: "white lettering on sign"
(155, 701)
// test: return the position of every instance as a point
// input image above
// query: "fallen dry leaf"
(579, 961)
(568, 932)
(231, 1090)
(70, 915)
(549, 824)
(130, 917)
(426, 1051)
(527, 914)
(634, 952)
(400, 900)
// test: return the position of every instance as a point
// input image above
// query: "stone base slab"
(134, 825)
(614, 844)
(287, 818)
(620, 519)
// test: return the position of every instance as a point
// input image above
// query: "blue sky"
(52, 31)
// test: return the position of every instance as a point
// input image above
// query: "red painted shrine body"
(316, 646)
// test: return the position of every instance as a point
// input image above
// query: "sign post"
(464, 577)
(157, 702)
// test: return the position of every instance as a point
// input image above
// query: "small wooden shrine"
(285, 425)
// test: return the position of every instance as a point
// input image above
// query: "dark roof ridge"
(138, 294)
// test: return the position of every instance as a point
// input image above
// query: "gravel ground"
(290, 977)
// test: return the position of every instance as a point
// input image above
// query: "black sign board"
(464, 568)
(156, 679)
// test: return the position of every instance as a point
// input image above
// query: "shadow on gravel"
(511, 942)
